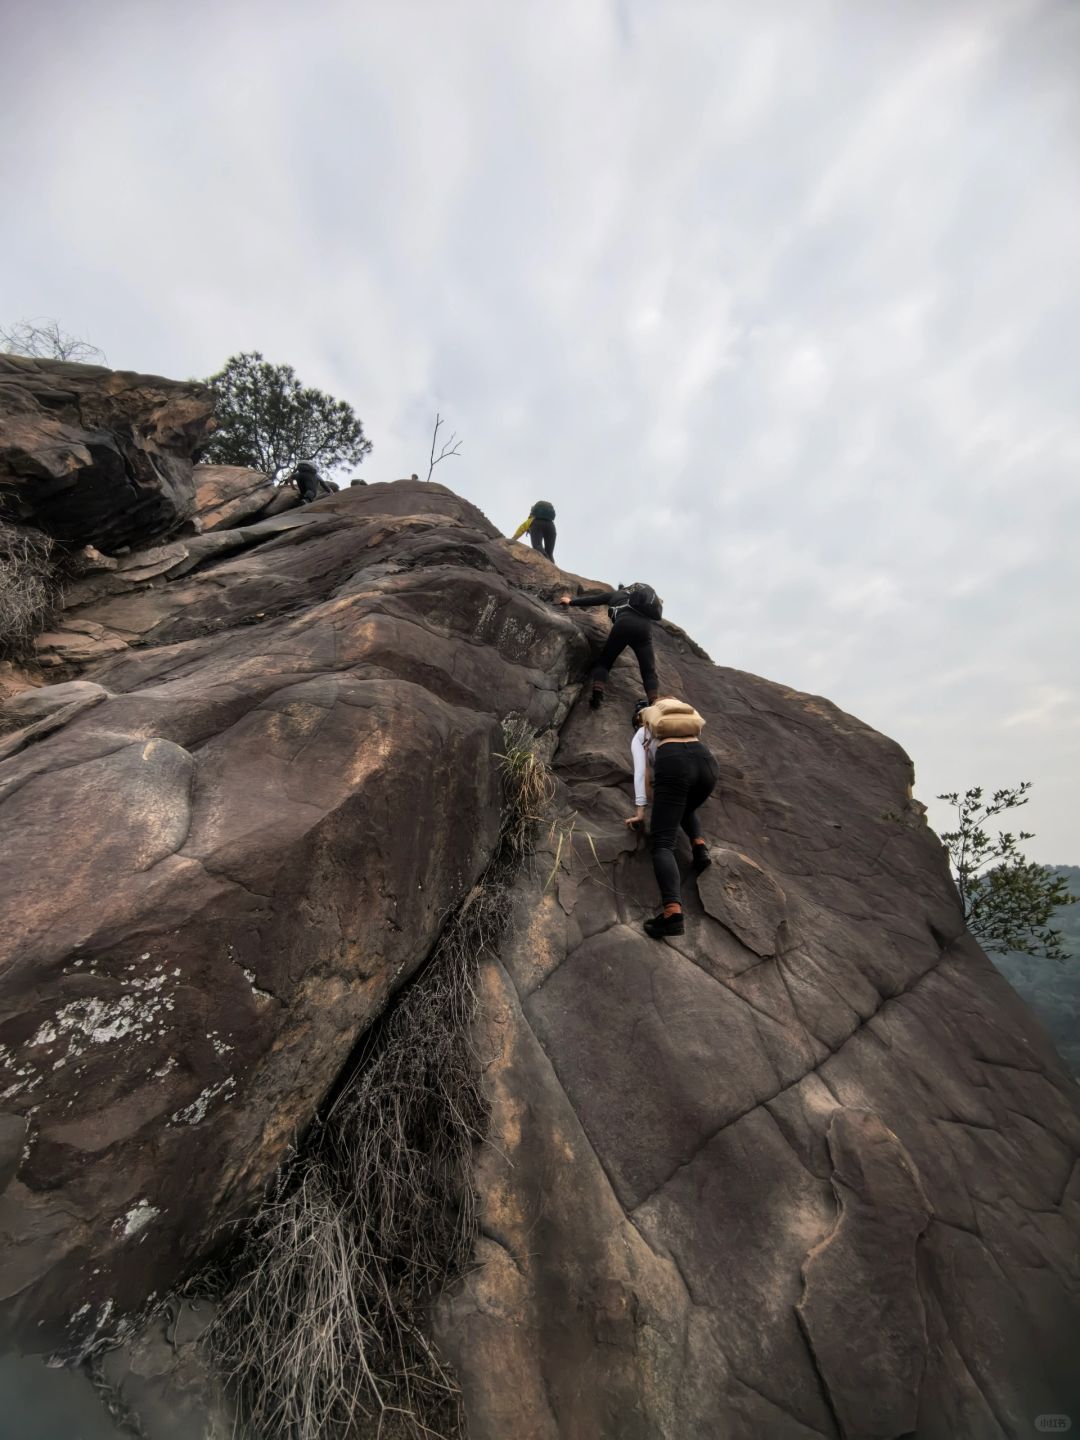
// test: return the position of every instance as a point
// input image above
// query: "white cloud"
(1051, 705)
(777, 301)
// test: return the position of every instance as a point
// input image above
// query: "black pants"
(634, 630)
(308, 487)
(684, 777)
(542, 535)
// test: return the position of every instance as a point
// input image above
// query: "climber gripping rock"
(540, 523)
(684, 774)
(306, 479)
(633, 610)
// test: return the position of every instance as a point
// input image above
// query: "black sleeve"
(596, 597)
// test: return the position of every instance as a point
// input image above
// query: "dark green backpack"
(543, 510)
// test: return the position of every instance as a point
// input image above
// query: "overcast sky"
(777, 301)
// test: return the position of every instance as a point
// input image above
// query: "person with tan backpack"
(684, 775)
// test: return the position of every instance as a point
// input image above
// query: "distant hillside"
(1052, 987)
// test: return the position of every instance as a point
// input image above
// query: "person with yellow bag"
(667, 741)
(540, 523)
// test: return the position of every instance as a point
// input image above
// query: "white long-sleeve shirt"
(643, 753)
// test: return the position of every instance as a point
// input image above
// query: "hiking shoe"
(701, 859)
(596, 699)
(661, 925)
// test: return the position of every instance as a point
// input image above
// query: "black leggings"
(634, 630)
(684, 776)
(542, 535)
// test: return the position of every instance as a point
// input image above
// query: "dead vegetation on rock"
(29, 588)
(322, 1327)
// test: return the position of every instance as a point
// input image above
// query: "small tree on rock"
(1008, 901)
(269, 421)
(44, 340)
(449, 449)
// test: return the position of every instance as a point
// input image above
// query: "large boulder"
(230, 495)
(95, 456)
(809, 1170)
(227, 852)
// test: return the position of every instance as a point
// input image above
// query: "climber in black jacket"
(306, 479)
(629, 626)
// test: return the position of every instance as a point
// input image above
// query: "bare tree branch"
(451, 447)
(44, 340)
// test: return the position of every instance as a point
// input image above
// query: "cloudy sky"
(777, 300)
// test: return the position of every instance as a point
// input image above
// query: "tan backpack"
(671, 719)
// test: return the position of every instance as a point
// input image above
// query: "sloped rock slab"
(861, 1308)
(228, 495)
(81, 695)
(225, 866)
(29, 706)
(742, 895)
(822, 1095)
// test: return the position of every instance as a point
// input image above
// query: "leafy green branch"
(1008, 900)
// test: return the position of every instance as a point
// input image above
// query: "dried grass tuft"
(528, 788)
(563, 837)
(29, 590)
(322, 1329)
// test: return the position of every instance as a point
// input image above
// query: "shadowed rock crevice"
(98, 457)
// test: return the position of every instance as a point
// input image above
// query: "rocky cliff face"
(808, 1170)
(97, 457)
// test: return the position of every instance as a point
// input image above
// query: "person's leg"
(642, 642)
(536, 535)
(701, 787)
(615, 644)
(549, 540)
(671, 780)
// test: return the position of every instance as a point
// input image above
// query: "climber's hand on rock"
(564, 599)
(635, 822)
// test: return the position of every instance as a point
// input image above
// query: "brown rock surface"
(229, 852)
(809, 1170)
(861, 1306)
(227, 495)
(94, 456)
(14, 679)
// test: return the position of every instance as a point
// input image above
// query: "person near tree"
(306, 479)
